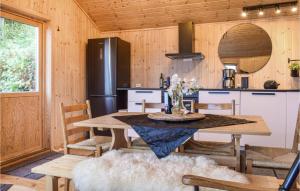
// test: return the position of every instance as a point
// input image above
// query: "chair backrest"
(146, 105)
(85, 113)
(215, 106)
(297, 133)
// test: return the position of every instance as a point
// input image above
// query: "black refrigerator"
(108, 68)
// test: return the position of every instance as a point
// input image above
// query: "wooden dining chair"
(211, 147)
(255, 182)
(94, 144)
(214, 106)
(146, 106)
(138, 143)
(273, 157)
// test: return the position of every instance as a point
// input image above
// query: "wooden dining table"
(119, 139)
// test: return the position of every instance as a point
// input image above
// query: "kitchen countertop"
(220, 89)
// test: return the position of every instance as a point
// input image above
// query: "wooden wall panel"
(65, 59)
(150, 45)
(21, 131)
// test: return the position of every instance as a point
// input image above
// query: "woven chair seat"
(270, 157)
(90, 144)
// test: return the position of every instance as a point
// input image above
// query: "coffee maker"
(228, 78)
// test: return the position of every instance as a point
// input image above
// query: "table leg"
(118, 139)
(51, 183)
(237, 139)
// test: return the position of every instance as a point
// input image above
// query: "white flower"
(180, 87)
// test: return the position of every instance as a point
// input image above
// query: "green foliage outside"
(18, 56)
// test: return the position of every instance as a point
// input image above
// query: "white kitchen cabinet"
(218, 97)
(293, 101)
(151, 96)
(272, 107)
(135, 98)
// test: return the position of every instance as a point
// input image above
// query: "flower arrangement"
(177, 89)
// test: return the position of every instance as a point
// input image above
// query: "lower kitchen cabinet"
(218, 97)
(272, 107)
(292, 105)
(279, 109)
(135, 98)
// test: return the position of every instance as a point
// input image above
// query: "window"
(19, 54)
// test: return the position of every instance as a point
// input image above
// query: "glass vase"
(178, 107)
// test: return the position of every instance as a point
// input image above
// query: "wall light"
(261, 12)
(277, 9)
(294, 8)
(292, 5)
(244, 13)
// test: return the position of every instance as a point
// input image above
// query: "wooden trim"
(23, 159)
(25, 11)
(19, 94)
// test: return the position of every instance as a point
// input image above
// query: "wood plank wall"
(150, 45)
(65, 65)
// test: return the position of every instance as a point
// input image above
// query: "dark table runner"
(164, 137)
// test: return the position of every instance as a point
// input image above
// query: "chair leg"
(67, 184)
(129, 143)
(196, 188)
(66, 151)
(98, 151)
(249, 164)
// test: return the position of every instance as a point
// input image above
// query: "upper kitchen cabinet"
(272, 107)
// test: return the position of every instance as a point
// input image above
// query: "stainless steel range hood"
(186, 43)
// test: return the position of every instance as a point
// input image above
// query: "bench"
(62, 168)
(58, 168)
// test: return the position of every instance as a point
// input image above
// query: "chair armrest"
(221, 184)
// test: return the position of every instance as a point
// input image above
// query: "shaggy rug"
(121, 171)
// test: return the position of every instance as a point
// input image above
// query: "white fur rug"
(120, 171)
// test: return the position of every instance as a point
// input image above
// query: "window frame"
(40, 64)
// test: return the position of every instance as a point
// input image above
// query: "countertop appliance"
(186, 45)
(108, 68)
(271, 84)
(228, 78)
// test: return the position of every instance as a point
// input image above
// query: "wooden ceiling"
(134, 14)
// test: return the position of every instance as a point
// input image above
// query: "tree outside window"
(19, 47)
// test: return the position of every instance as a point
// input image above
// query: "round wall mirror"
(246, 48)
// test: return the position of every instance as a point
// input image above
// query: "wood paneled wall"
(150, 45)
(65, 60)
(66, 37)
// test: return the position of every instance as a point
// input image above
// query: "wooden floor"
(38, 181)
(25, 172)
